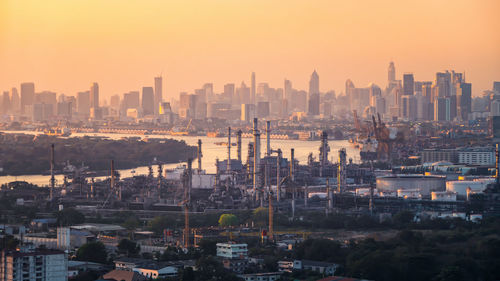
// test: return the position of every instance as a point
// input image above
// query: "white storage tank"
(460, 187)
(424, 184)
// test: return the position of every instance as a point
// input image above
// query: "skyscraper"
(158, 94)
(252, 88)
(287, 89)
(83, 103)
(148, 101)
(391, 73)
(408, 84)
(313, 108)
(94, 95)
(464, 101)
(15, 101)
(27, 95)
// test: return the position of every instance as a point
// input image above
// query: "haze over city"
(64, 46)
(244, 140)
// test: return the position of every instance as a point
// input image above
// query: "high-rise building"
(443, 84)
(94, 95)
(114, 101)
(209, 91)
(313, 103)
(5, 103)
(247, 112)
(130, 100)
(148, 101)
(391, 73)
(27, 95)
(252, 88)
(408, 84)
(464, 100)
(496, 86)
(228, 92)
(442, 109)
(83, 103)
(28, 263)
(158, 94)
(15, 101)
(287, 90)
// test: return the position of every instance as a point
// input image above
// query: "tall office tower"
(130, 100)
(349, 88)
(443, 84)
(148, 101)
(94, 95)
(158, 94)
(287, 90)
(209, 91)
(228, 92)
(408, 84)
(496, 86)
(409, 107)
(114, 101)
(391, 73)
(442, 109)
(83, 103)
(427, 101)
(15, 101)
(252, 88)
(5, 102)
(27, 96)
(248, 112)
(464, 100)
(46, 97)
(314, 94)
(243, 93)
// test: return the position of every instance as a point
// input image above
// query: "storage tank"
(460, 187)
(424, 184)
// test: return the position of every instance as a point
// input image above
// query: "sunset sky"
(65, 45)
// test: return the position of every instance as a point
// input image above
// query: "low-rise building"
(265, 276)
(232, 250)
(28, 263)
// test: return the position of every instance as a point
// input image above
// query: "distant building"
(27, 96)
(437, 155)
(94, 95)
(314, 97)
(263, 109)
(477, 156)
(83, 103)
(248, 112)
(158, 94)
(408, 84)
(464, 101)
(148, 101)
(31, 264)
(263, 276)
(232, 250)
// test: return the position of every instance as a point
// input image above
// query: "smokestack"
(323, 152)
(229, 149)
(52, 178)
(341, 170)
(271, 217)
(238, 142)
(497, 167)
(190, 179)
(278, 176)
(292, 164)
(268, 138)
(256, 155)
(112, 175)
(199, 155)
(329, 195)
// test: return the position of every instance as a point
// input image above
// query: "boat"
(222, 143)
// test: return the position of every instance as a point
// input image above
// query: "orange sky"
(64, 45)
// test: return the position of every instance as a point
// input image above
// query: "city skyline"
(192, 44)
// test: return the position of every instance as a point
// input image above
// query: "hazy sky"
(64, 45)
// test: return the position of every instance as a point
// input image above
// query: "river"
(210, 150)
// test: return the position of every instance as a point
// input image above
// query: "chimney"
(229, 149)
(199, 156)
(256, 155)
(268, 138)
(238, 142)
(52, 166)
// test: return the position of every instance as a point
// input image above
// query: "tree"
(403, 218)
(226, 220)
(129, 248)
(260, 216)
(93, 252)
(69, 216)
